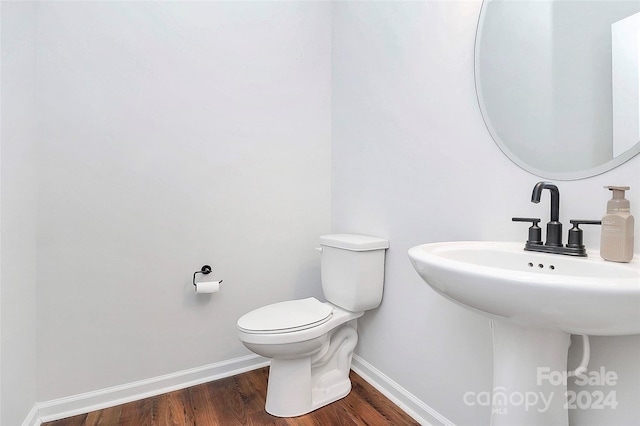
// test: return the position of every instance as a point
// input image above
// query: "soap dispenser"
(616, 242)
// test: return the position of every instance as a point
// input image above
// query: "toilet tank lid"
(354, 242)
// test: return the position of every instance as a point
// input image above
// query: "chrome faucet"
(554, 227)
(574, 247)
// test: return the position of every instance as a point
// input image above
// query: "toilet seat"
(286, 317)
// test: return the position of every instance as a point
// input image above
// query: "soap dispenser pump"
(616, 242)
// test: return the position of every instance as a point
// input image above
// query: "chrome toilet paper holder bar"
(205, 270)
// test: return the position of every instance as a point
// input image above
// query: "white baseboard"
(417, 409)
(32, 418)
(109, 397)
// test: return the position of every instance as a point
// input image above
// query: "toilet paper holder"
(205, 270)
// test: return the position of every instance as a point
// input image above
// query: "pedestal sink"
(537, 301)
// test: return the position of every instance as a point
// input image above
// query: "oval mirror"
(558, 83)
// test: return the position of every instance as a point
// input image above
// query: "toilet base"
(299, 386)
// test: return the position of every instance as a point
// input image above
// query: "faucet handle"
(535, 233)
(575, 233)
(576, 222)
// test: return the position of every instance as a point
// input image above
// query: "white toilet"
(311, 343)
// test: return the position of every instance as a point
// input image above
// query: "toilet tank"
(352, 269)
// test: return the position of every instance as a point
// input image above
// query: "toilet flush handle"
(319, 249)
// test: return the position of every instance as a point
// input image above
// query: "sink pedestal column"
(529, 376)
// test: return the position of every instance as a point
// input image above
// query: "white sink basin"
(499, 279)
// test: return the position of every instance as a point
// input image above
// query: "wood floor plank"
(170, 410)
(107, 417)
(252, 389)
(70, 421)
(203, 410)
(336, 414)
(373, 406)
(227, 401)
(136, 412)
(239, 401)
(189, 414)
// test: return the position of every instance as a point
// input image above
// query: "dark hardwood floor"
(239, 400)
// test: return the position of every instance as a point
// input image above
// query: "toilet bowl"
(310, 342)
(310, 355)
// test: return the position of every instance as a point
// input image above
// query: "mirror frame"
(572, 175)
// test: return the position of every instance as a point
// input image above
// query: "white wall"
(171, 135)
(18, 200)
(413, 162)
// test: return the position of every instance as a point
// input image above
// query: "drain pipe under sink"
(586, 355)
